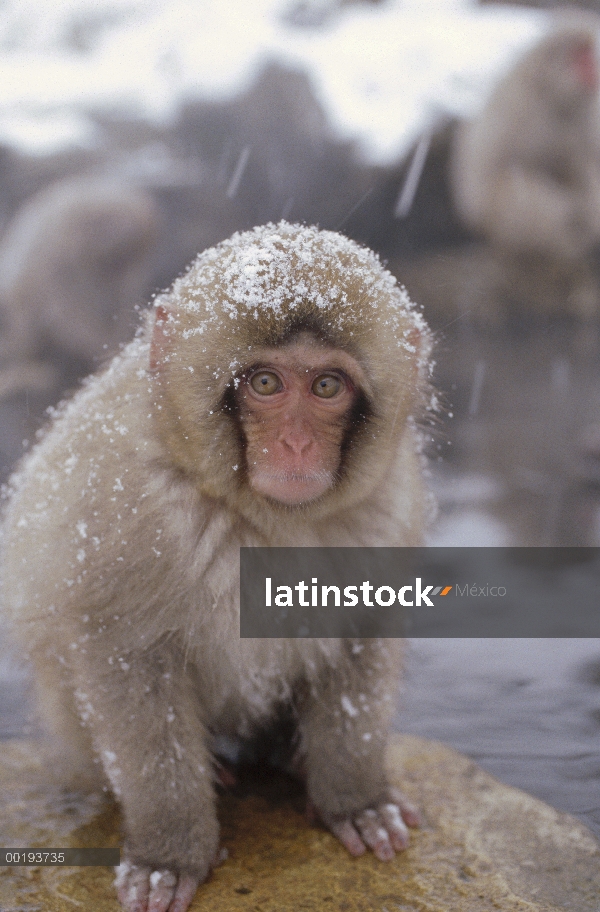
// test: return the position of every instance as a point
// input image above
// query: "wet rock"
(483, 846)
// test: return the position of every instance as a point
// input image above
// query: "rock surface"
(483, 846)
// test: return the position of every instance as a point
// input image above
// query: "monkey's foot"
(382, 829)
(140, 889)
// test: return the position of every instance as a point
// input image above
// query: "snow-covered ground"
(381, 72)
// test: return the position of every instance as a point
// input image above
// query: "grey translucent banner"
(420, 592)
(60, 857)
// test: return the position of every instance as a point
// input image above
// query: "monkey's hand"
(140, 889)
(382, 828)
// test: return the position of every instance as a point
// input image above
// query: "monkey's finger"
(133, 886)
(394, 824)
(184, 893)
(409, 811)
(348, 836)
(162, 890)
(373, 832)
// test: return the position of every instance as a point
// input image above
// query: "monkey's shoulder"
(99, 422)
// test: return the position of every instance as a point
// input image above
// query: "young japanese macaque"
(525, 173)
(270, 401)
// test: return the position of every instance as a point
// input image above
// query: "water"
(528, 711)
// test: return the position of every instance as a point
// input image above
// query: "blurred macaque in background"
(525, 177)
(526, 173)
(498, 218)
(499, 239)
(74, 264)
(74, 261)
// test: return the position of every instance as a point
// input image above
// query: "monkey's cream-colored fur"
(123, 529)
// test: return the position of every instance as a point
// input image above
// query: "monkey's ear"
(159, 345)
(420, 342)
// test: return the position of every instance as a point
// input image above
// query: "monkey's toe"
(381, 829)
(408, 811)
(133, 886)
(183, 895)
(348, 835)
(140, 889)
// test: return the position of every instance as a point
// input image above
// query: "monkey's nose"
(297, 441)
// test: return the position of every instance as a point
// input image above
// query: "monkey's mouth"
(291, 487)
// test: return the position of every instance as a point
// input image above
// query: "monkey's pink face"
(585, 64)
(296, 410)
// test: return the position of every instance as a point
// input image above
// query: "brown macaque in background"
(271, 401)
(74, 262)
(525, 173)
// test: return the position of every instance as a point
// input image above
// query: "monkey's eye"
(326, 386)
(265, 382)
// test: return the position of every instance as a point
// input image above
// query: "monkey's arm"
(147, 728)
(344, 724)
